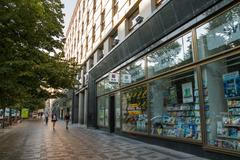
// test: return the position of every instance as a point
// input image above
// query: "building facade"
(162, 71)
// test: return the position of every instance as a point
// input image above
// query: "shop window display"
(174, 106)
(133, 72)
(102, 108)
(219, 34)
(171, 55)
(221, 81)
(134, 110)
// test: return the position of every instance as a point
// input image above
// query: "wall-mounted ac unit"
(138, 19)
(115, 41)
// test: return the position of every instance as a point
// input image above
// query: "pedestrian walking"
(46, 118)
(54, 119)
(67, 118)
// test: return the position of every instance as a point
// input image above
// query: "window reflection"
(102, 106)
(174, 107)
(221, 81)
(219, 34)
(133, 73)
(171, 55)
(100, 88)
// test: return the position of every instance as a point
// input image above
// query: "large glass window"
(174, 106)
(117, 110)
(100, 88)
(106, 85)
(132, 20)
(221, 33)
(133, 72)
(102, 108)
(174, 54)
(221, 81)
(111, 85)
(134, 109)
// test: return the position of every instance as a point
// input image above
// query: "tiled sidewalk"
(34, 140)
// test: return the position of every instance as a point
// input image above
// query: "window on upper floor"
(86, 43)
(114, 40)
(132, 23)
(100, 55)
(79, 16)
(81, 53)
(129, 2)
(115, 7)
(102, 20)
(83, 5)
(93, 33)
(158, 2)
(87, 18)
(79, 36)
(82, 27)
(91, 62)
(94, 6)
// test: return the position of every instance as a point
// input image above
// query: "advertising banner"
(187, 92)
(25, 113)
(231, 82)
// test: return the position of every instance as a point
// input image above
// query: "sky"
(69, 6)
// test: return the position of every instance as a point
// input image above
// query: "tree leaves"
(29, 32)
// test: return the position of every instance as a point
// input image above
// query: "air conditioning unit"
(115, 41)
(138, 19)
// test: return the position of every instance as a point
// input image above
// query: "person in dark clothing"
(46, 118)
(54, 119)
(67, 118)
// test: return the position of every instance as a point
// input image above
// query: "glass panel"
(219, 34)
(106, 111)
(172, 55)
(103, 104)
(117, 110)
(133, 73)
(221, 81)
(101, 108)
(110, 86)
(174, 107)
(134, 109)
(100, 87)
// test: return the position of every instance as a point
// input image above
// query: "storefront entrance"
(112, 113)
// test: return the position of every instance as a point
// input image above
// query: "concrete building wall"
(88, 37)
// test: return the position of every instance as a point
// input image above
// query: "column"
(81, 108)
(85, 106)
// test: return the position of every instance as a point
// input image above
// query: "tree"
(32, 66)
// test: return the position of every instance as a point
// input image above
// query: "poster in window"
(237, 82)
(231, 84)
(187, 92)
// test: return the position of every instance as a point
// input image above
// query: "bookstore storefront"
(186, 90)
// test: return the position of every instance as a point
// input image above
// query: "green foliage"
(32, 68)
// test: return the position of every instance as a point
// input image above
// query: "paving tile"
(33, 140)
